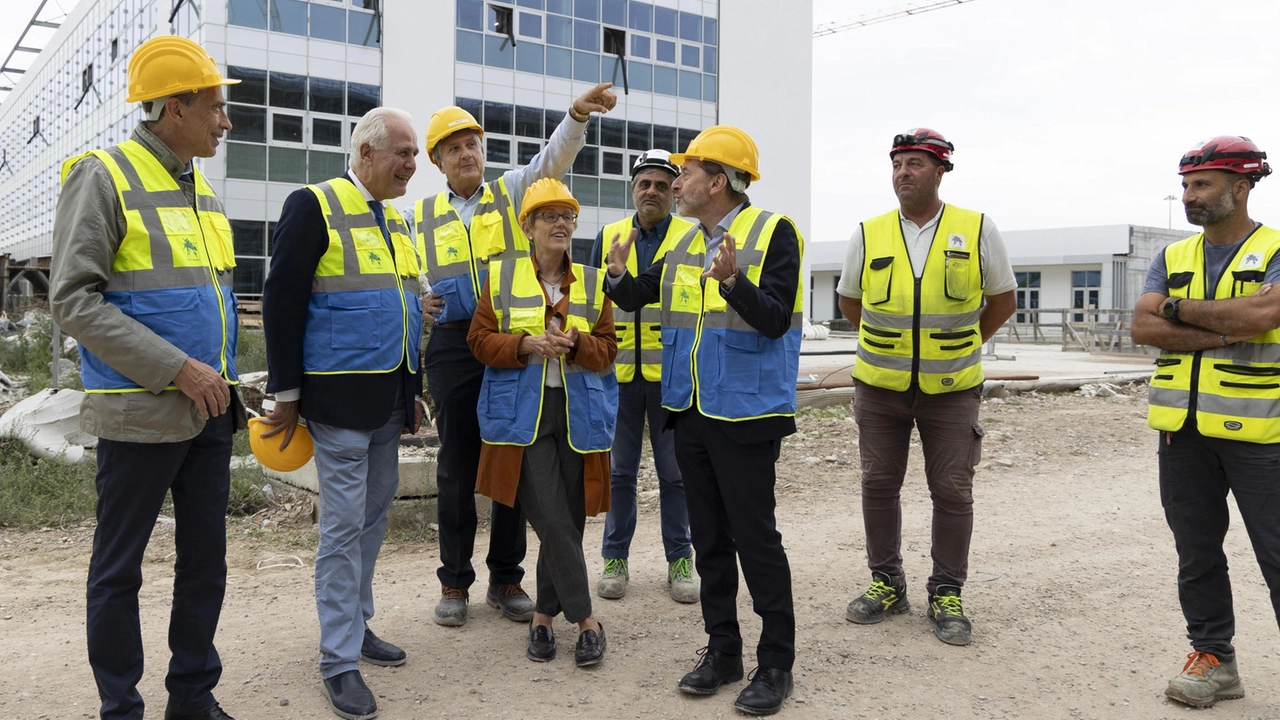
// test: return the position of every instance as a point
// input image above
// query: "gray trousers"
(952, 442)
(551, 494)
(358, 472)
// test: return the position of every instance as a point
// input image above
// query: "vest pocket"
(1246, 282)
(353, 321)
(501, 398)
(887, 339)
(878, 281)
(957, 282)
(740, 371)
(968, 335)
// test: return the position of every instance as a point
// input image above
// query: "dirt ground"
(1071, 592)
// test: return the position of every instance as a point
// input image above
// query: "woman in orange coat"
(548, 406)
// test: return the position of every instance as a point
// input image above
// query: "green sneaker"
(684, 589)
(879, 600)
(946, 610)
(613, 581)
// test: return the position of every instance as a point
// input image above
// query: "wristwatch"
(1170, 309)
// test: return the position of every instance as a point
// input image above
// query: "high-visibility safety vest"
(364, 315)
(456, 257)
(640, 334)
(923, 331)
(510, 405)
(172, 271)
(708, 349)
(1235, 390)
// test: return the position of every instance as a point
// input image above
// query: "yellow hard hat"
(447, 121)
(547, 191)
(169, 65)
(725, 144)
(269, 453)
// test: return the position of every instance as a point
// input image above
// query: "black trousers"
(729, 489)
(1196, 473)
(132, 481)
(453, 379)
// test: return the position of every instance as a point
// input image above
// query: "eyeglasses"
(550, 217)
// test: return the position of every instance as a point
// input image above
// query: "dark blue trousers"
(1196, 473)
(132, 481)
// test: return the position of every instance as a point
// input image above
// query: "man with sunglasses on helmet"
(639, 367)
(926, 285)
(1209, 305)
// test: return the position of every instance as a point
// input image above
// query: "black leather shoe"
(591, 647)
(376, 651)
(349, 697)
(764, 696)
(542, 643)
(212, 713)
(714, 669)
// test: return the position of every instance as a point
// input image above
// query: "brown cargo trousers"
(952, 442)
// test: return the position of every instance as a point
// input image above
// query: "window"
(471, 14)
(690, 27)
(323, 166)
(497, 118)
(531, 25)
(640, 46)
(326, 132)
(475, 107)
(615, 12)
(501, 20)
(613, 133)
(665, 80)
(252, 88)
(327, 96)
(638, 137)
(525, 152)
(664, 138)
(362, 98)
(709, 59)
(586, 66)
(249, 237)
(685, 137)
(247, 123)
(709, 88)
(586, 190)
(666, 51)
(563, 7)
(529, 57)
(249, 276)
(640, 16)
(1084, 292)
(611, 163)
(289, 16)
(641, 75)
(664, 21)
(288, 91)
(115, 49)
(709, 30)
(246, 162)
(613, 194)
(559, 31)
(286, 128)
(328, 23)
(86, 78)
(689, 56)
(470, 47)
(587, 162)
(1027, 295)
(533, 4)
(528, 122)
(498, 52)
(560, 62)
(586, 9)
(247, 13)
(287, 165)
(498, 151)
(615, 42)
(363, 29)
(553, 120)
(586, 36)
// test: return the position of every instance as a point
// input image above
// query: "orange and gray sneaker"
(879, 600)
(1205, 680)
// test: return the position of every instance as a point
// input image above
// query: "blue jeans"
(637, 400)
(358, 473)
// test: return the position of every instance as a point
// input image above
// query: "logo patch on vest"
(1233, 425)
(948, 381)
(1251, 261)
(956, 241)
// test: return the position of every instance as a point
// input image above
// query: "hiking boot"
(451, 611)
(613, 581)
(946, 610)
(879, 600)
(1205, 680)
(512, 600)
(684, 589)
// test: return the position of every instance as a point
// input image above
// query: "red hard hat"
(1232, 153)
(924, 140)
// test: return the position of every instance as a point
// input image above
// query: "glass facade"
(357, 24)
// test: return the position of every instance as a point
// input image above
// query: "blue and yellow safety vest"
(364, 315)
(924, 330)
(1235, 390)
(172, 271)
(510, 405)
(708, 349)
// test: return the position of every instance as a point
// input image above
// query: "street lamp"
(1171, 198)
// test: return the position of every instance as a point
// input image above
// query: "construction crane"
(831, 28)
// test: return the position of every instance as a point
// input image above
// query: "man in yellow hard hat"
(141, 277)
(457, 232)
(731, 301)
(926, 284)
(343, 326)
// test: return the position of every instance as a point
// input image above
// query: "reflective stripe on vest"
(455, 257)
(172, 271)
(1235, 390)
(510, 405)
(364, 315)
(708, 350)
(922, 332)
(648, 335)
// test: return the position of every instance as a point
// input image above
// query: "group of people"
(545, 371)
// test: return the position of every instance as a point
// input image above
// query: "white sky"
(1063, 112)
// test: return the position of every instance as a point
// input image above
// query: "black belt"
(455, 325)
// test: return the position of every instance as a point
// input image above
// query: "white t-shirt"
(553, 366)
(997, 273)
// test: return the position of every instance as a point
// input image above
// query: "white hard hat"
(654, 160)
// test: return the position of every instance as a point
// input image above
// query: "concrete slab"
(417, 477)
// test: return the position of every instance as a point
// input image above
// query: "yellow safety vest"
(172, 271)
(1235, 390)
(456, 257)
(640, 341)
(708, 349)
(922, 331)
(364, 315)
